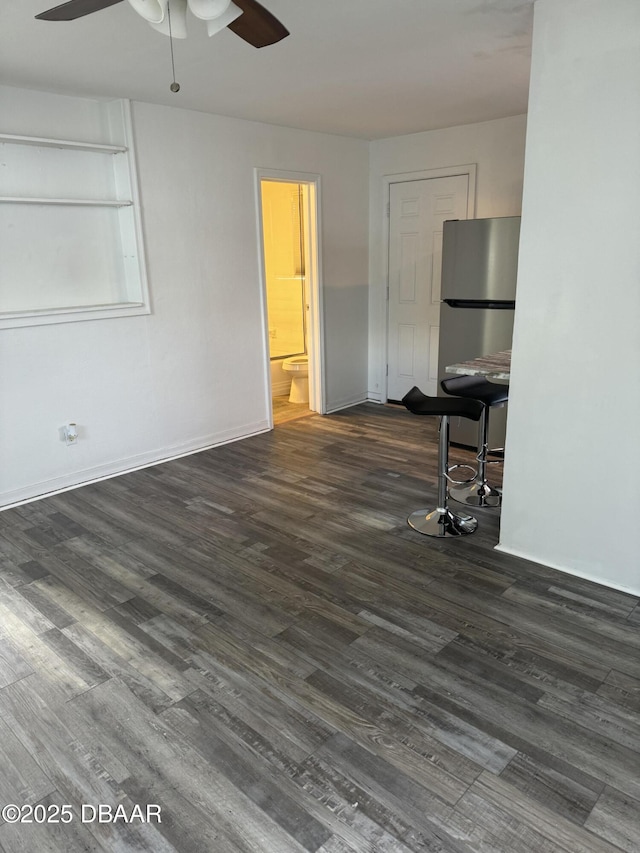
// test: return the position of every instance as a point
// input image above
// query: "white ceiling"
(366, 68)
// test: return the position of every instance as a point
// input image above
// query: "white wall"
(496, 147)
(192, 373)
(571, 494)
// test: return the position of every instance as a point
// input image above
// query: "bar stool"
(479, 492)
(441, 522)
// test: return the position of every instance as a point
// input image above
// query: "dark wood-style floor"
(253, 639)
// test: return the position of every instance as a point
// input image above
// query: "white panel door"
(416, 212)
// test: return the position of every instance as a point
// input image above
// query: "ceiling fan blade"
(256, 25)
(75, 9)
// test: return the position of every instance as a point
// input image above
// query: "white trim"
(514, 552)
(47, 142)
(317, 395)
(47, 316)
(346, 403)
(132, 185)
(313, 273)
(469, 169)
(441, 172)
(266, 355)
(66, 202)
(46, 488)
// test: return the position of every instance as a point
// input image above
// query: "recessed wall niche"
(70, 232)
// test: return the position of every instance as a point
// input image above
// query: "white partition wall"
(571, 493)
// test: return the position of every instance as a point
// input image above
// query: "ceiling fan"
(246, 18)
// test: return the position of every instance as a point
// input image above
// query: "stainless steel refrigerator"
(479, 269)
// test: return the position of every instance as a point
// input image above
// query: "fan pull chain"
(174, 87)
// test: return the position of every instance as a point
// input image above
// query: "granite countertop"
(494, 366)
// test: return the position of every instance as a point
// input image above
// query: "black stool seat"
(441, 521)
(477, 388)
(420, 404)
(489, 394)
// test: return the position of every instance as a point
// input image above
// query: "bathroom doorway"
(288, 204)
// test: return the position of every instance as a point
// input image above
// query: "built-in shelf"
(89, 249)
(47, 316)
(82, 202)
(45, 142)
(72, 309)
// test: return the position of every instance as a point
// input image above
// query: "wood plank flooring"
(284, 411)
(253, 639)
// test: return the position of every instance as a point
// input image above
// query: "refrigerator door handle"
(504, 304)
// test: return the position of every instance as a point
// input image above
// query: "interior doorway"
(288, 206)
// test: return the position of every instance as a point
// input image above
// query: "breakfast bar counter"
(495, 367)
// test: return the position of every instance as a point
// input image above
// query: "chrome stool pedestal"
(441, 522)
(479, 492)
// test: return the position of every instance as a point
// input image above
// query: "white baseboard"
(45, 488)
(568, 570)
(346, 403)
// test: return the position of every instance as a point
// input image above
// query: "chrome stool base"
(442, 523)
(476, 494)
(480, 493)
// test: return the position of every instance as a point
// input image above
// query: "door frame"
(468, 169)
(313, 282)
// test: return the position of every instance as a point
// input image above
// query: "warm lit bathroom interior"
(283, 222)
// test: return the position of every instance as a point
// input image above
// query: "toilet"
(298, 368)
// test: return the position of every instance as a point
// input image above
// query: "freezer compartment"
(480, 258)
(467, 333)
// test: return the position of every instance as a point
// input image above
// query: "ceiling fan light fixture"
(176, 15)
(153, 11)
(207, 9)
(248, 19)
(214, 26)
(217, 13)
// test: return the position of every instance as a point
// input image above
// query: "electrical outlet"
(71, 434)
